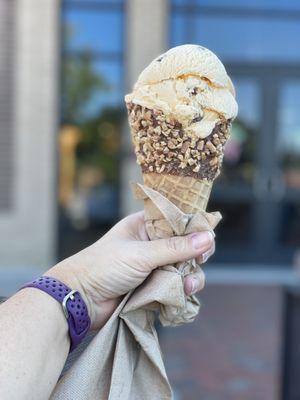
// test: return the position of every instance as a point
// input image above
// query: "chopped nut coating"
(163, 146)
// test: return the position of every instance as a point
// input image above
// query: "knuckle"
(176, 244)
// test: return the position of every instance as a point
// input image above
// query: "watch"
(73, 306)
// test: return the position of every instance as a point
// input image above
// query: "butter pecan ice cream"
(180, 112)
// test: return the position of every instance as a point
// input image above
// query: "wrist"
(75, 277)
(73, 305)
(67, 275)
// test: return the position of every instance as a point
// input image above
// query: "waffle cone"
(190, 195)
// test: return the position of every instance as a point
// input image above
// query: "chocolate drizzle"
(163, 146)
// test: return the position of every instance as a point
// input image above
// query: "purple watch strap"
(72, 303)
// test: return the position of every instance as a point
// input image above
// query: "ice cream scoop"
(180, 112)
(190, 84)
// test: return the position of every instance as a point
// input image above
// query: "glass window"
(92, 30)
(104, 2)
(257, 192)
(248, 39)
(92, 114)
(257, 4)
(288, 144)
(290, 224)
(89, 86)
(239, 155)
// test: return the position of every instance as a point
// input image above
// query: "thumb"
(177, 249)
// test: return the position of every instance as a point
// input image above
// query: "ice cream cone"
(180, 113)
(190, 195)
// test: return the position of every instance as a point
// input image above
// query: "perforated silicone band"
(73, 305)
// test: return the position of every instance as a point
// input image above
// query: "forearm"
(34, 345)
(34, 337)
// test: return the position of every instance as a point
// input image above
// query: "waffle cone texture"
(189, 194)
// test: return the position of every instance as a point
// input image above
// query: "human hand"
(122, 259)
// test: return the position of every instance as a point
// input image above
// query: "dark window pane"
(235, 227)
(290, 224)
(239, 155)
(288, 144)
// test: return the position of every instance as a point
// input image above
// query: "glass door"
(233, 191)
(286, 175)
(259, 190)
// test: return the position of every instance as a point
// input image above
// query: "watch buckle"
(65, 300)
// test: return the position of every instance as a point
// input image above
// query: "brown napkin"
(124, 360)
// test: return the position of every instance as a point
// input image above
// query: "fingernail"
(194, 285)
(200, 240)
(205, 256)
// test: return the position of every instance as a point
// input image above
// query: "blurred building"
(66, 158)
(29, 116)
(258, 192)
(68, 64)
